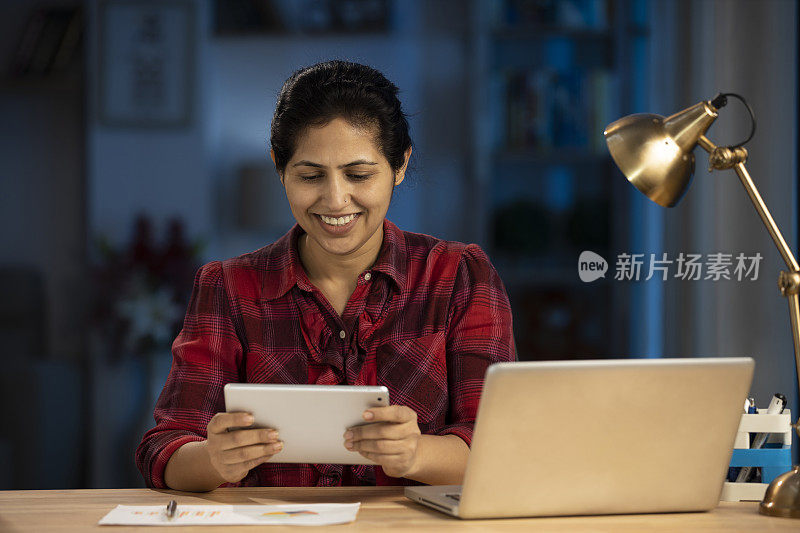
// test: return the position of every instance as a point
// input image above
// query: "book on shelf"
(27, 42)
(237, 17)
(603, 109)
(547, 109)
(564, 14)
(49, 41)
(70, 43)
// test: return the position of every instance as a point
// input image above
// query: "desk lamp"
(655, 154)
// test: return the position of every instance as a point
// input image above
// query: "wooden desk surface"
(381, 507)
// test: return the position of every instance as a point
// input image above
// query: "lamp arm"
(794, 316)
(725, 158)
(788, 282)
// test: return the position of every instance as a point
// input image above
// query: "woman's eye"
(354, 177)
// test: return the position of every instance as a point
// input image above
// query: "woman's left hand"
(391, 439)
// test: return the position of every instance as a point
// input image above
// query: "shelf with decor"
(551, 74)
(241, 18)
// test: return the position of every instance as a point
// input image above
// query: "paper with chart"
(318, 514)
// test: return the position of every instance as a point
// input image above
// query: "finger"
(391, 413)
(249, 453)
(222, 421)
(249, 465)
(380, 430)
(381, 446)
(247, 437)
(382, 458)
(240, 470)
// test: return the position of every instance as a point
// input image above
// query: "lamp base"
(783, 496)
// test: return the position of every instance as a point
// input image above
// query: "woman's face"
(339, 185)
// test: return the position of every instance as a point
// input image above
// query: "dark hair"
(361, 95)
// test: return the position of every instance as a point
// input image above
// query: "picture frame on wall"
(146, 58)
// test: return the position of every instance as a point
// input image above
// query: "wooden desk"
(381, 508)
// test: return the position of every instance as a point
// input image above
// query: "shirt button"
(367, 276)
(342, 334)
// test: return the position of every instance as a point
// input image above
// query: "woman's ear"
(401, 174)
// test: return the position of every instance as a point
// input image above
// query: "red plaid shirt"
(425, 321)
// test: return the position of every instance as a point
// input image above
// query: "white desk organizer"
(774, 459)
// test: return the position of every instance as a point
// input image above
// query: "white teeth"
(341, 221)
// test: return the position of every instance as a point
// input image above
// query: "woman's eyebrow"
(351, 164)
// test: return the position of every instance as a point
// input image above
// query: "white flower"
(149, 313)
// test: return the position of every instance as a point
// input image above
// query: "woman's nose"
(338, 193)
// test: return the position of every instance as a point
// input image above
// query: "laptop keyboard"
(454, 496)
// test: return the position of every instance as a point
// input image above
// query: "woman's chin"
(340, 247)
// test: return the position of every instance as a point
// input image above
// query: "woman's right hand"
(234, 452)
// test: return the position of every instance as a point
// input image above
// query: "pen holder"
(773, 459)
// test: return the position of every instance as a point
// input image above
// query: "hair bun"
(362, 95)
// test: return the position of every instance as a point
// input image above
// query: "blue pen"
(752, 410)
(751, 406)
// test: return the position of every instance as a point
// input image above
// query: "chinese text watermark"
(687, 267)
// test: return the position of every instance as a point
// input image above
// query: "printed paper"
(320, 514)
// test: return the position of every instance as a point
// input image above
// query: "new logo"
(591, 266)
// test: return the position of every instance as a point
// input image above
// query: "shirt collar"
(393, 257)
(284, 269)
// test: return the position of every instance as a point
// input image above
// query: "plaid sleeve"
(479, 334)
(205, 355)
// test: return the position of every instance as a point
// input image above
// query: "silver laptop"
(599, 437)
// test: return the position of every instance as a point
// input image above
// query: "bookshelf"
(45, 56)
(549, 76)
(238, 18)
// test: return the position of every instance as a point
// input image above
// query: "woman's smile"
(338, 225)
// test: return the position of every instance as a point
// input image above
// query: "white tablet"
(310, 419)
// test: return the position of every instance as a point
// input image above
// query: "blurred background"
(133, 149)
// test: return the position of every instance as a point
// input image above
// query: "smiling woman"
(345, 297)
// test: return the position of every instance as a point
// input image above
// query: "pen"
(776, 406)
(172, 506)
(751, 406)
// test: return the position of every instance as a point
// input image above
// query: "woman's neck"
(324, 267)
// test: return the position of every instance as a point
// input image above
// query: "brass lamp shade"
(655, 153)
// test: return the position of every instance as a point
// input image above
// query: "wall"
(749, 48)
(42, 216)
(42, 173)
(161, 170)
